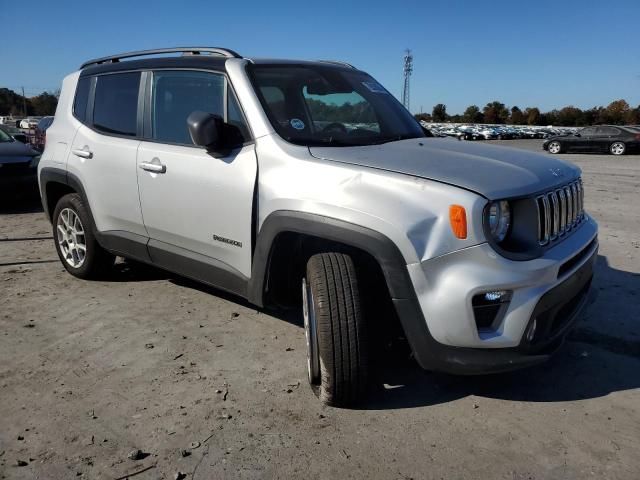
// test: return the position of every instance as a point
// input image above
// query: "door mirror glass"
(205, 129)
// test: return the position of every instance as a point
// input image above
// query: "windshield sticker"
(374, 86)
(297, 123)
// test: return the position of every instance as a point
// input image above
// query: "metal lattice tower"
(408, 69)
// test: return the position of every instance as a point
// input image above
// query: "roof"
(192, 61)
(191, 57)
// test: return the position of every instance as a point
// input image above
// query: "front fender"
(381, 248)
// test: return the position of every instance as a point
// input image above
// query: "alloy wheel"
(71, 238)
(617, 148)
(311, 334)
(554, 147)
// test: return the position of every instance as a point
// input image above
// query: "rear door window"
(115, 106)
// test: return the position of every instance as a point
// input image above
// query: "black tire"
(97, 261)
(341, 336)
(617, 148)
(554, 147)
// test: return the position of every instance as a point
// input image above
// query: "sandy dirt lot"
(204, 384)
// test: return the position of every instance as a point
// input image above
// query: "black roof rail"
(224, 52)
(336, 62)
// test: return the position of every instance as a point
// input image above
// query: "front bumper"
(440, 322)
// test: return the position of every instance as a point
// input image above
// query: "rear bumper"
(440, 323)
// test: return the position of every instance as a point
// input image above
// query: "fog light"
(531, 333)
(494, 296)
(490, 307)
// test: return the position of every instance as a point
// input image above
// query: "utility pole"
(408, 69)
(24, 103)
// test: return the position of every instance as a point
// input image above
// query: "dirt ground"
(204, 384)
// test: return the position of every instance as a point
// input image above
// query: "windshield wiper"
(394, 138)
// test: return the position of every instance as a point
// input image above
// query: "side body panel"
(63, 129)
(109, 178)
(412, 212)
(201, 203)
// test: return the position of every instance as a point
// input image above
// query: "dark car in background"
(15, 132)
(18, 165)
(41, 132)
(613, 139)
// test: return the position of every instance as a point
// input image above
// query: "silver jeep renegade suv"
(307, 183)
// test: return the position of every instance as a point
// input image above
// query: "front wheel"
(554, 147)
(334, 329)
(75, 242)
(617, 148)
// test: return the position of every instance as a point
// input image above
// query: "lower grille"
(560, 211)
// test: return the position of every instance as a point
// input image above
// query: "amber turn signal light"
(458, 219)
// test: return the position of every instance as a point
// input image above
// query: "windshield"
(318, 105)
(4, 137)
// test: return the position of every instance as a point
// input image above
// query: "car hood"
(15, 152)
(495, 172)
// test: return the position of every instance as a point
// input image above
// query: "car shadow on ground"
(590, 364)
(12, 203)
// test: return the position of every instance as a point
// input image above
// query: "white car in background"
(28, 123)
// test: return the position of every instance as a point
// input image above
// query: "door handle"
(84, 152)
(153, 167)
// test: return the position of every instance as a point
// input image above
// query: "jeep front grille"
(560, 211)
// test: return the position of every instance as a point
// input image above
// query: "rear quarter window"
(81, 99)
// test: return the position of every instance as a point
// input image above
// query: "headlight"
(499, 219)
(34, 161)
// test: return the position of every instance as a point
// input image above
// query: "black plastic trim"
(197, 267)
(50, 175)
(575, 287)
(125, 244)
(377, 245)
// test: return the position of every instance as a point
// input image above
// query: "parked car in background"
(15, 133)
(28, 123)
(41, 132)
(613, 139)
(18, 164)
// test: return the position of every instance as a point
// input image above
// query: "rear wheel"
(554, 147)
(334, 329)
(76, 245)
(617, 148)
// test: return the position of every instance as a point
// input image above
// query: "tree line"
(617, 112)
(12, 103)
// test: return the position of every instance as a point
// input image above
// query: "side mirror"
(205, 128)
(577, 134)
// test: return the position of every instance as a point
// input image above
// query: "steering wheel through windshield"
(335, 127)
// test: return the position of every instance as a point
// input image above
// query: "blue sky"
(534, 53)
